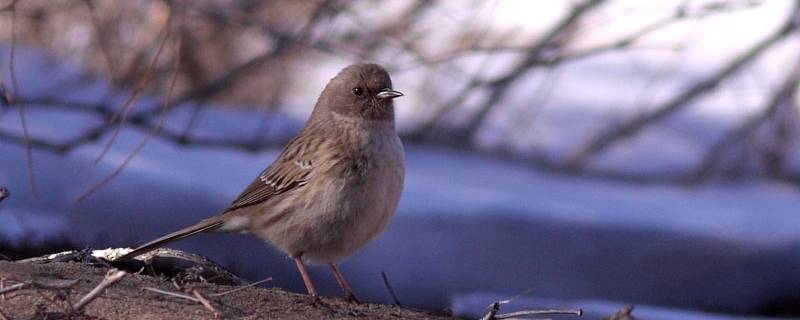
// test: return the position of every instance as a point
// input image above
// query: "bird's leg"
(348, 292)
(306, 278)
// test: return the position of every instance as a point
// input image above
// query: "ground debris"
(128, 298)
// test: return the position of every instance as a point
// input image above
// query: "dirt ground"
(128, 298)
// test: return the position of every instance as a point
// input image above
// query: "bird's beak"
(389, 94)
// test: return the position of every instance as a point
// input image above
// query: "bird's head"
(360, 90)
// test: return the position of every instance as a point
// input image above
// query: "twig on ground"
(391, 290)
(14, 287)
(113, 276)
(201, 261)
(205, 303)
(241, 288)
(51, 285)
(495, 307)
(528, 313)
(172, 294)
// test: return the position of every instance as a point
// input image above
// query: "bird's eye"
(358, 91)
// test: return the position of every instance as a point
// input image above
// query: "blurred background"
(581, 153)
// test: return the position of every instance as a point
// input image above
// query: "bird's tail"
(205, 225)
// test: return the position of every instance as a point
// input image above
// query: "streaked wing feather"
(291, 170)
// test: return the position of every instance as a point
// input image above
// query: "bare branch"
(552, 40)
(10, 101)
(161, 119)
(784, 95)
(634, 125)
(205, 302)
(128, 105)
(102, 39)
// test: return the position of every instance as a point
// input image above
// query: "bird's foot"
(316, 300)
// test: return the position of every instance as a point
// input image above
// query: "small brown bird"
(333, 188)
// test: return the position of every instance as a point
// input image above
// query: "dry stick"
(391, 290)
(241, 288)
(128, 105)
(113, 276)
(22, 118)
(14, 287)
(495, 307)
(162, 117)
(547, 312)
(205, 302)
(172, 294)
(36, 284)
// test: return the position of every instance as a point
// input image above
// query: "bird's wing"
(291, 170)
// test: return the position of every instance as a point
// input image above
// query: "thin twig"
(22, 118)
(102, 40)
(391, 290)
(172, 294)
(546, 312)
(241, 288)
(121, 115)
(783, 94)
(632, 126)
(495, 307)
(113, 276)
(161, 120)
(15, 287)
(55, 285)
(205, 302)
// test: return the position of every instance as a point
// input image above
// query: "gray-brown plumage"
(333, 188)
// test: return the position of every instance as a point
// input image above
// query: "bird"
(333, 187)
